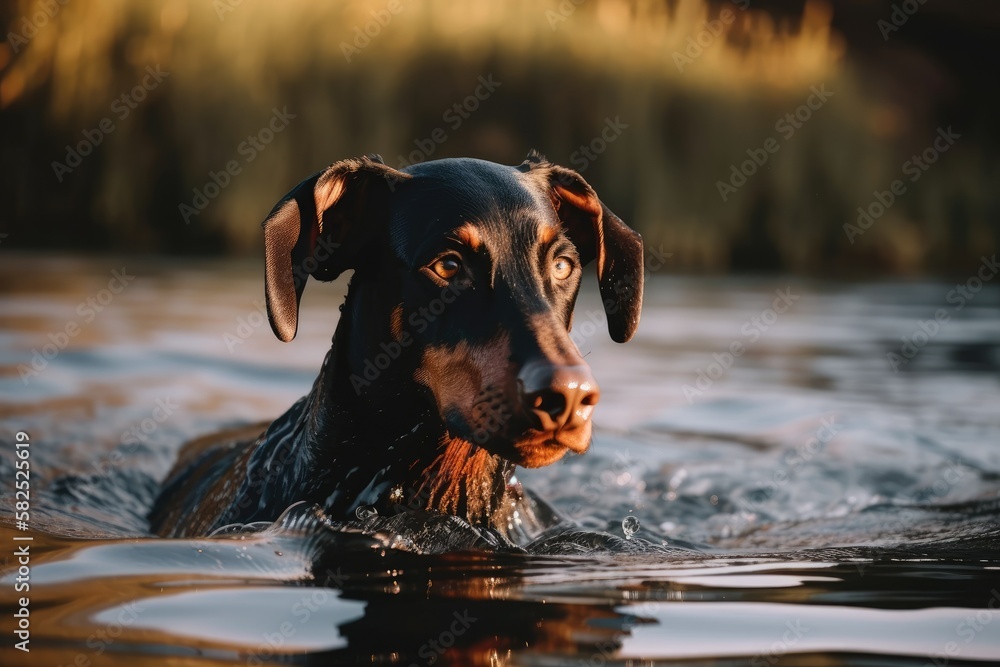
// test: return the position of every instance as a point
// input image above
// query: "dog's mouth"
(535, 448)
(570, 440)
(541, 448)
(507, 431)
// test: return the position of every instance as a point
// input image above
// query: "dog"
(451, 363)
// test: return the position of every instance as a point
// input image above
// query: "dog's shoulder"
(194, 489)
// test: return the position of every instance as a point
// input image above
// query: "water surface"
(808, 501)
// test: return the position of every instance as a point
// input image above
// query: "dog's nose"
(559, 397)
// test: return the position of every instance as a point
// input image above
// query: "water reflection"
(236, 599)
(808, 482)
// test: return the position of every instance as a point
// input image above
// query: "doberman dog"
(451, 363)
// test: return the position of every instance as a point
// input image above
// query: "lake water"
(809, 500)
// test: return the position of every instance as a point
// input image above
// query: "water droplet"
(630, 525)
(366, 512)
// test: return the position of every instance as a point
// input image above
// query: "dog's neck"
(368, 435)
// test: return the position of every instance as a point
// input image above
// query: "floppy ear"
(600, 235)
(319, 228)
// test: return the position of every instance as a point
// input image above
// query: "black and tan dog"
(451, 363)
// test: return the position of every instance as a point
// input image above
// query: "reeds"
(564, 69)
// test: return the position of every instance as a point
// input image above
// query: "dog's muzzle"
(558, 398)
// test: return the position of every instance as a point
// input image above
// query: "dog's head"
(466, 274)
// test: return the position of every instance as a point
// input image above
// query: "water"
(802, 503)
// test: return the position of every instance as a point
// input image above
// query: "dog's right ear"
(319, 228)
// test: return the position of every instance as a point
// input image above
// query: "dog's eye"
(561, 268)
(446, 267)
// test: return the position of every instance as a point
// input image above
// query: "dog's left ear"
(320, 229)
(600, 235)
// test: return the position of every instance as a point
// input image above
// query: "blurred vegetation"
(563, 68)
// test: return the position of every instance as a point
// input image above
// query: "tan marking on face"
(592, 207)
(396, 322)
(456, 375)
(469, 235)
(548, 234)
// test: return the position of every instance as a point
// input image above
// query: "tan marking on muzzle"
(456, 375)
